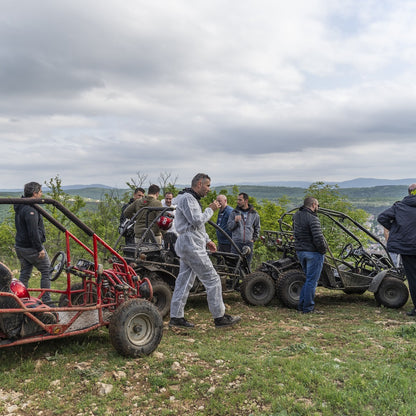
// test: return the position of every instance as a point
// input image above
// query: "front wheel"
(392, 293)
(257, 289)
(136, 328)
(289, 286)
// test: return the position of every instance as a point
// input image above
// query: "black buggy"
(362, 264)
(160, 264)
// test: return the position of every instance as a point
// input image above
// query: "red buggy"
(90, 297)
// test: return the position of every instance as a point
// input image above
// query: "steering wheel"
(346, 251)
(57, 265)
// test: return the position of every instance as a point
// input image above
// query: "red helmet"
(19, 289)
(164, 223)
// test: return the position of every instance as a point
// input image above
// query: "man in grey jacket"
(191, 247)
(244, 223)
(310, 246)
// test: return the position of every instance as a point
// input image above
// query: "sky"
(247, 91)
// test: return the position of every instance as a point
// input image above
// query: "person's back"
(307, 232)
(146, 217)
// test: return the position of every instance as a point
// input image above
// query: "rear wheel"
(136, 328)
(289, 286)
(257, 289)
(162, 296)
(392, 293)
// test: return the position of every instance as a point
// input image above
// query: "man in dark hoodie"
(244, 223)
(30, 236)
(400, 221)
(310, 246)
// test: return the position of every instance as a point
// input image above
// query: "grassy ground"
(355, 359)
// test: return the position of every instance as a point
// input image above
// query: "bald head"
(222, 199)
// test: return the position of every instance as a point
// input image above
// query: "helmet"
(19, 289)
(164, 222)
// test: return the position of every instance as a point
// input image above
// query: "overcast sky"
(244, 90)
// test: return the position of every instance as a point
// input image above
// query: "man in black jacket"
(310, 248)
(400, 221)
(30, 236)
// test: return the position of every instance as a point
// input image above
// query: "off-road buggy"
(90, 297)
(161, 264)
(363, 264)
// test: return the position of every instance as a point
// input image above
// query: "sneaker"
(412, 312)
(315, 311)
(226, 320)
(180, 322)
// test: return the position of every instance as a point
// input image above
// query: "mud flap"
(375, 283)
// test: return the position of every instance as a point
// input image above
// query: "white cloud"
(302, 90)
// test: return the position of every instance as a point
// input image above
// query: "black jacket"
(400, 220)
(307, 231)
(30, 231)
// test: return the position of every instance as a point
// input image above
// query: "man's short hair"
(309, 201)
(244, 195)
(168, 193)
(31, 188)
(198, 177)
(137, 190)
(153, 189)
(411, 189)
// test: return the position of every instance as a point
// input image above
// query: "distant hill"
(372, 199)
(353, 183)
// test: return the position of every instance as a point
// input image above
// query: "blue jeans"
(312, 263)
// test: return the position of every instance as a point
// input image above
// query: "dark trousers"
(409, 264)
(28, 258)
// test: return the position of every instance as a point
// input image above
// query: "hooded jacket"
(247, 229)
(30, 231)
(140, 225)
(400, 220)
(307, 231)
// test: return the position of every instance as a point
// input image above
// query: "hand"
(214, 205)
(237, 218)
(211, 247)
(42, 254)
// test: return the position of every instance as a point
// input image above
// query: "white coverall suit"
(194, 260)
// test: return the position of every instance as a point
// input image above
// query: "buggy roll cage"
(337, 217)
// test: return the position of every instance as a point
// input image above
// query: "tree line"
(103, 216)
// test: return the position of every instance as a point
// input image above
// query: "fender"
(375, 283)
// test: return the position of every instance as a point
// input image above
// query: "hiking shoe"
(226, 320)
(317, 311)
(412, 312)
(180, 322)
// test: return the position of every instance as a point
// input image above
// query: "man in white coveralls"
(191, 247)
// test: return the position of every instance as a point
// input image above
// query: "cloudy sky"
(244, 90)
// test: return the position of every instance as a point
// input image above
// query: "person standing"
(244, 223)
(145, 217)
(191, 247)
(223, 214)
(29, 240)
(129, 232)
(400, 221)
(310, 246)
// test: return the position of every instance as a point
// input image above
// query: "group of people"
(242, 225)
